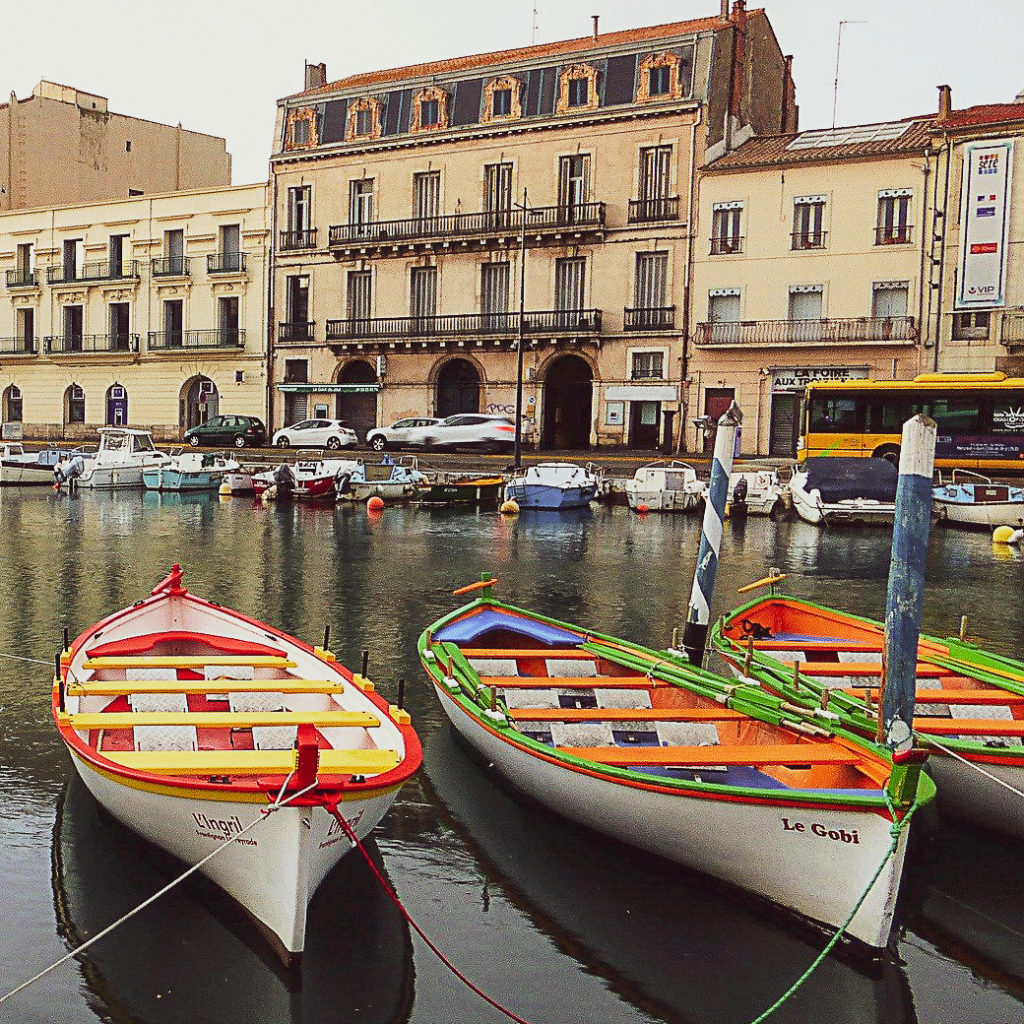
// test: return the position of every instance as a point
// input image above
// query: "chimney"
(595, 17)
(739, 13)
(945, 102)
(316, 75)
(724, 14)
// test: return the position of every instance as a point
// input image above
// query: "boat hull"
(662, 501)
(982, 514)
(24, 474)
(466, 492)
(161, 479)
(542, 496)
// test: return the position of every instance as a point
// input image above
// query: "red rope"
(393, 896)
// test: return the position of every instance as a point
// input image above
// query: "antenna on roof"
(534, 38)
(835, 88)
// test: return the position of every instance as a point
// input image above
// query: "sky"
(219, 66)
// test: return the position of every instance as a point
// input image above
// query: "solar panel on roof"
(825, 137)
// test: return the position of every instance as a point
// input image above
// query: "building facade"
(149, 312)
(417, 210)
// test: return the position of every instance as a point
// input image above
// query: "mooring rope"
(264, 814)
(925, 738)
(34, 661)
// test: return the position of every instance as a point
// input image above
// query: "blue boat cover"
(483, 621)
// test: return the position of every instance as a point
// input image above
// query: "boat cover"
(477, 623)
(842, 478)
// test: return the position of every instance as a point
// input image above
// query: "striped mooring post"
(698, 615)
(905, 598)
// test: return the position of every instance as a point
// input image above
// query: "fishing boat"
(969, 705)
(756, 492)
(665, 487)
(21, 468)
(390, 480)
(210, 733)
(455, 488)
(835, 489)
(309, 479)
(118, 464)
(643, 747)
(971, 499)
(552, 486)
(189, 471)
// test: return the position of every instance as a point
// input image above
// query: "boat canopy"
(842, 478)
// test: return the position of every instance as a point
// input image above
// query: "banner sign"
(796, 378)
(984, 225)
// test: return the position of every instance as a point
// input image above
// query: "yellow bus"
(980, 418)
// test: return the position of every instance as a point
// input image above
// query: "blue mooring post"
(698, 615)
(905, 600)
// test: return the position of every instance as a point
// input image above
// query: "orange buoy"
(375, 503)
(642, 509)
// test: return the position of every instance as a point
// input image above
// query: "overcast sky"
(219, 67)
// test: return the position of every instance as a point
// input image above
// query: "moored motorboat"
(208, 732)
(21, 468)
(455, 488)
(665, 487)
(552, 486)
(118, 464)
(189, 471)
(311, 479)
(969, 704)
(641, 746)
(974, 500)
(390, 480)
(834, 489)
(758, 492)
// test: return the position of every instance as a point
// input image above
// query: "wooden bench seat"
(772, 644)
(625, 714)
(571, 682)
(925, 670)
(970, 726)
(950, 696)
(187, 661)
(223, 719)
(252, 762)
(776, 753)
(116, 687)
(539, 652)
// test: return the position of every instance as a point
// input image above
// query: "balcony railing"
(19, 345)
(1012, 332)
(652, 318)
(726, 245)
(754, 333)
(647, 211)
(187, 341)
(171, 266)
(298, 330)
(102, 271)
(539, 218)
(809, 239)
(65, 344)
(577, 321)
(894, 234)
(22, 278)
(225, 263)
(304, 239)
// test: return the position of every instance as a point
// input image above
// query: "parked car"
(466, 430)
(333, 434)
(241, 431)
(396, 435)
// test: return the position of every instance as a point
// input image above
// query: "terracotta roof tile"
(986, 113)
(481, 60)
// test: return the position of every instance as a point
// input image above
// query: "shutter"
(424, 291)
(569, 283)
(651, 271)
(494, 287)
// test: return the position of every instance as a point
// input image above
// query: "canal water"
(553, 922)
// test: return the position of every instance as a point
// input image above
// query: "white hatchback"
(396, 435)
(467, 430)
(333, 434)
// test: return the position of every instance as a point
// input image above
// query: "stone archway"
(358, 408)
(568, 403)
(457, 388)
(198, 401)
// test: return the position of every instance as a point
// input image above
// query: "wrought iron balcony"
(19, 345)
(66, 344)
(171, 266)
(649, 211)
(226, 263)
(652, 318)
(101, 271)
(456, 225)
(725, 245)
(809, 239)
(188, 341)
(1012, 330)
(894, 234)
(22, 278)
(557, 321)
(298, 330)
(766, 333)
(304, 239)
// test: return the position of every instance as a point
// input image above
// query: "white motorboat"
(389, 480)
(831, 489)
(19, 467)
(552, 485)
(665, 487)
(307, 479)
(974, 500)
(123, 455)
(189, 471)
(758, 492)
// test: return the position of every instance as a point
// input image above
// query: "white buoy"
(509, 508)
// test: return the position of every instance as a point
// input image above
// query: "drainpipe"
(271, 317)
(688, 274)
(922, 327)
(942, 253)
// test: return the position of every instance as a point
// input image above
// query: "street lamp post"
(519, 343)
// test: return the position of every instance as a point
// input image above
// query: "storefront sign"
(795, 378)
(642, 393)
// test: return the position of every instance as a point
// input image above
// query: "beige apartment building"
(416, 210)
(809, 260)
(149, 312)
(62, 145)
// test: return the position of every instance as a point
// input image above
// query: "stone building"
(148, 311)
(62, 145)
(413, 207)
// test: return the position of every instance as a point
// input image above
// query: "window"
(72, 319)
(72, 258)
(359, 294)
(228, 321)
(300, 132)
(26, 324)
(890, 299)
(893, 213)
(570, 283)
(804, 313)
(836, 414)
(76, 404)
(174, 321)
(573, 186)
(297, 299)
(724, 314)
(174, 251)
(726, 236)
(648, 365)
(494, 290)
(299, 203)
(230, 247)
(430, 113)
(498, 192)
(579, 92)
(13, 411)
(119, 321)
(115, 255)
(360, 202)
(501, 103)
(972, 325)
(296, 371)
(363, 121)
(659, 81)
(23, 259)
(651, 276)
(426, 195)
(423, 294)
(808, 216)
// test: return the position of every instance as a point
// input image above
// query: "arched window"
(74, 404)
(12, 404)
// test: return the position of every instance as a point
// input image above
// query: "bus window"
(956, 415)
(1006, 415)
(835, 414)
(888, 412)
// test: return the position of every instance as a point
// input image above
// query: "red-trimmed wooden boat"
(641, 746)
(307, 479)
(188, 722)
(968, 700)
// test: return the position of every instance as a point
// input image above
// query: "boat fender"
(495, 716)
(451, 683)
(307, 756)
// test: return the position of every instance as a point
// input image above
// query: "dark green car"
(240, 431)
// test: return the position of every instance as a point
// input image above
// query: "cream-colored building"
(809, 260)
(400, 230)
(149, 311)
(63, 145)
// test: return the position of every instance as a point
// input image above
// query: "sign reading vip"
(984, 225)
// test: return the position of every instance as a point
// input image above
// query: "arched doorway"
(358, 408)
(568, 401)
(199, 400)
(74, 404)
(12, 406)
(117, 406)
(458, 388)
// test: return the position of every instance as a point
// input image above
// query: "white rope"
(35, 661)
(264, 814)
(972, 764)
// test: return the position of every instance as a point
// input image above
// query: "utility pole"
(521, 338)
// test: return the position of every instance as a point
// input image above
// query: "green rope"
(895, 831)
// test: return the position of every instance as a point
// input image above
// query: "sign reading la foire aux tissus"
(793, 378)
(984, 225)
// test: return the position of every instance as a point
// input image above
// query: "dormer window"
(364, 122)
(659, 78)
(430, 109)
(502, 99)
(659, 81)
(577, 88)
(502, 103)
(302, 131)
(429, 114)
(364, 119)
